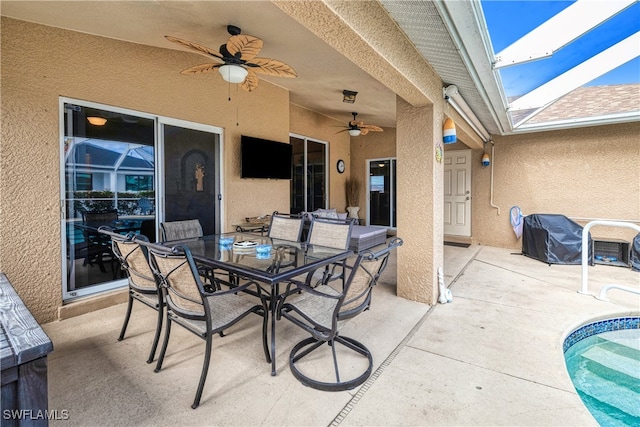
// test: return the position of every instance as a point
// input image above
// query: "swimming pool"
(603, 361)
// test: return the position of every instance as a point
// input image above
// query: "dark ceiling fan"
(237, 60)
(356, 128)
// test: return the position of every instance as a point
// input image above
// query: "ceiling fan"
(238, 61)
(356, 128)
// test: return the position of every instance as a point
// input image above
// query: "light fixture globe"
(97, 121)
(354, 132)
(233, 73)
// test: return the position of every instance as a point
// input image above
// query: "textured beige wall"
(40, 64)
(420, 201)
(312, 125)
(583, 173)
(374, 145)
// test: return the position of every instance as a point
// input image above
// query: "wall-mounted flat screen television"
(262, 158)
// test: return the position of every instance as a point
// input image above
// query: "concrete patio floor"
(493, 356)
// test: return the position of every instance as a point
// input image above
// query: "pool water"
(605, 370)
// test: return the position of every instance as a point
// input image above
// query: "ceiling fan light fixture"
(349, 96)
(233, 73)
(354, 132)
(97, 121)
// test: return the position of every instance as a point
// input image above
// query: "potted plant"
(352, 192)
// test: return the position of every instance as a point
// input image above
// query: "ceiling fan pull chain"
(237, 107)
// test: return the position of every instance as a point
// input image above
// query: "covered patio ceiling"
(484, 48)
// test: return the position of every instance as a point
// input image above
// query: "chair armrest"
(393, 243)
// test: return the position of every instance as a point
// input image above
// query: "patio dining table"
(285, 261)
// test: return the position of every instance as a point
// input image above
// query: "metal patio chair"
(321, 310)
(286, 227)
(98, 247)
(180, 230)
(334, 233)
(200, 312)
(187, 229)
(142, 283)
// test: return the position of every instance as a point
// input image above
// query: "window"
(84, 182)
(138, 182)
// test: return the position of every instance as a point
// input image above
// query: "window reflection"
(109, 180)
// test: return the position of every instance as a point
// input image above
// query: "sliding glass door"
(309, 182)
(191, 175)
(130, 171)
(381, 190)
(108, 163)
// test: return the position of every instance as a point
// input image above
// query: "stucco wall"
(40, 64)
(581, 173)
(419, 200)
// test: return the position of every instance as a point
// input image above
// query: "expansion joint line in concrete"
(372, 379)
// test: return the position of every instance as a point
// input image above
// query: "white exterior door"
(457, 193)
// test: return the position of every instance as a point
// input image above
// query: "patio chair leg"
(156, 338)
(126, 318)
(308, 345)
(203, 375)
(335, 361)
(167, 331)
(265, 345)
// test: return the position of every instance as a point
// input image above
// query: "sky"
(509, 20)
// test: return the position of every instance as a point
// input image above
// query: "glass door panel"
(298, 179)
(382, 190)
(108, 160)
(309, 181)
(316, 175)
(191, 176)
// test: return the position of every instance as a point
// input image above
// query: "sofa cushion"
(325, 213)
(365, 237)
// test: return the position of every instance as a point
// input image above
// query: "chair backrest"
(179, 278)
(106, 216)
(134, 260)
(363, 277)
(286, 227)
(179, 230)
(330, 232)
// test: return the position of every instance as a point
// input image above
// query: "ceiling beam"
(364, 33)
(607, 60)
(560, 30)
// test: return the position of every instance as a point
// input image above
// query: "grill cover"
(554, 239)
